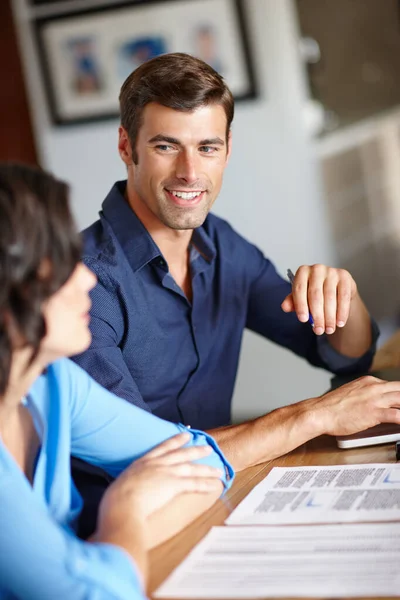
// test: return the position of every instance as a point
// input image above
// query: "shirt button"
(161, 262)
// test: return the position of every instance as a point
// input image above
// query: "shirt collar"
(134, 239)
(203, 244)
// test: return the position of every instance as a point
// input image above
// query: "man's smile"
(181, 198)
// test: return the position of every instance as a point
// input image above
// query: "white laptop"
(380, 434)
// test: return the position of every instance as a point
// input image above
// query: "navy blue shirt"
(177, 358)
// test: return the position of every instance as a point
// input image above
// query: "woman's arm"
(40, 560)
(164, 490)
(111, 433)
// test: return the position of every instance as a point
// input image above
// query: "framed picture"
(87, 56)
(41, 2)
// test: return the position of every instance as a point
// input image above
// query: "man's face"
(181, 160)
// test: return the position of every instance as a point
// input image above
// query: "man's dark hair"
(39, 249)
(177, 81)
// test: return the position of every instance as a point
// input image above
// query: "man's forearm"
(269, 436)
(353, 407)
(355, 338)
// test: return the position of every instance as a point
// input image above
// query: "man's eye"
(164, 147)
(208, 149)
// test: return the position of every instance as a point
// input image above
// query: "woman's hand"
(163, 473)
(148, 485)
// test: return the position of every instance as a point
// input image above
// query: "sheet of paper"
(294, 561)
(332, 494)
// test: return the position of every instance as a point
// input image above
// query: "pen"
(291, 279)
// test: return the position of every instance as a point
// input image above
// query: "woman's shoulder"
(65, 367)
(62, 380)
(59, 371)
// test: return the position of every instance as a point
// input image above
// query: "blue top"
(154, 348)
(40, 556)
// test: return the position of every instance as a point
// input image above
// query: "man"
(177, 286)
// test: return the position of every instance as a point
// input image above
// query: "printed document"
(330, 494)
(332, 561)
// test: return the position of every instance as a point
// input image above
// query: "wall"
(271, 192)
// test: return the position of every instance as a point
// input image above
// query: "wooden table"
(321, 451)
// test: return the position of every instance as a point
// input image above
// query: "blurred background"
(314, 175)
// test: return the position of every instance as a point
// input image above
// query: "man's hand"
(353, 407)
(325, 293)
(356, 406)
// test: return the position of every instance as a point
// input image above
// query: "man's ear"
(124, 146)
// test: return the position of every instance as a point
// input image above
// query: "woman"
(50, 408)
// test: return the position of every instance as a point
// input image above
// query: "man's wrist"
(312, 418)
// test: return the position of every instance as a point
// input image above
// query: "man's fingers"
(299, 294)
(343, 301)
(380, 392)
(315, 297)
(388, 387)
(325, 293)
(365, 380)
(331, 300)
(288, 304)
(390, 415)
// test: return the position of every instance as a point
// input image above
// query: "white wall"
(271, 192)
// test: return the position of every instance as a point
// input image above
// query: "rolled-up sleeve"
(266, 317)
(216, 459)
(339, 363)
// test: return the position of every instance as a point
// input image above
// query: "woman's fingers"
(181, 455)
(173, 451)
(177, 441)
(188, 469)
(199, 485)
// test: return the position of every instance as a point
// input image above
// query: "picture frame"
(47, 2)
(86, 56)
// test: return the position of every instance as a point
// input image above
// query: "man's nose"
(186, 168)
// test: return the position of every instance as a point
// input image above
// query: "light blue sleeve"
(40, 560)
(108, 432)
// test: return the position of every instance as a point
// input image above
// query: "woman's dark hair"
(39, 249)
(177, 81)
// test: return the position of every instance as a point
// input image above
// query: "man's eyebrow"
(212, 142)
(160, 137)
